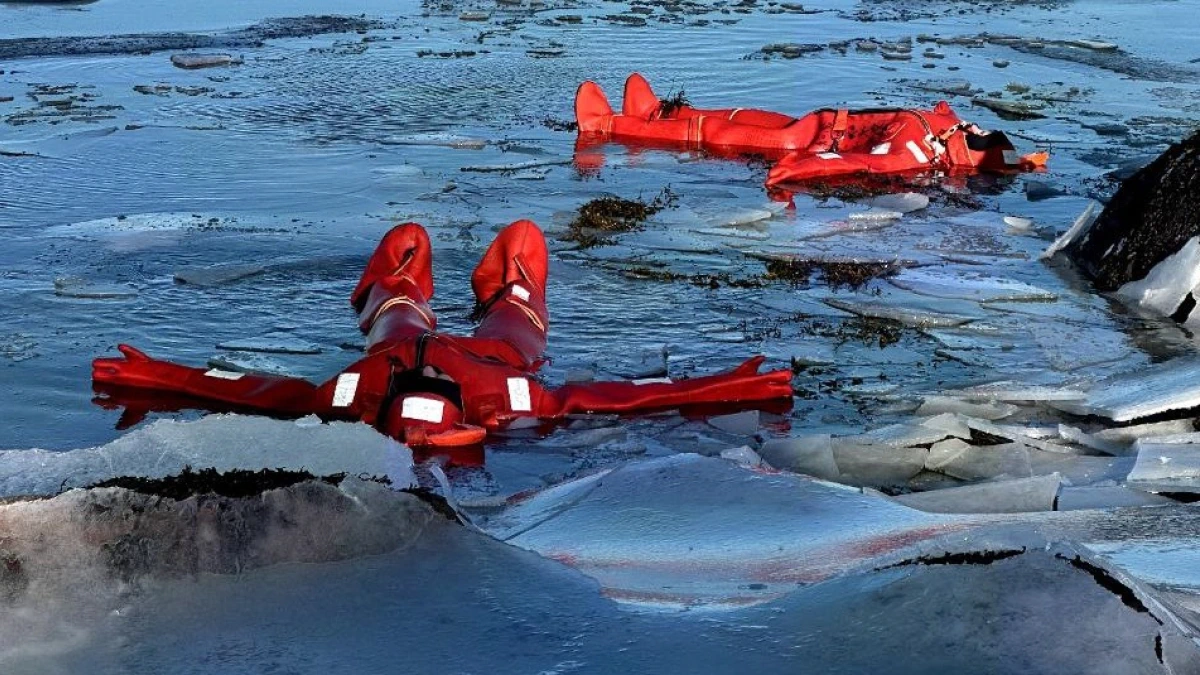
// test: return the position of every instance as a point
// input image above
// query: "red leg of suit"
(392, 297)
(511, 282)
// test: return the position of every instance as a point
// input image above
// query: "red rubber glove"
(137, 370)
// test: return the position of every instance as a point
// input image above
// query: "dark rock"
(1151, 216)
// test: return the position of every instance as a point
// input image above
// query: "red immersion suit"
(424, 387)
(822, 144)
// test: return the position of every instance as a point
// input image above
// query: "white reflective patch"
(882, 148)
(344, 390)
(224, 374)
(916, 152)
(419, 408)
(518, 395)
(1010, 157)
(521, 292)
(828, 155)
(652, 380)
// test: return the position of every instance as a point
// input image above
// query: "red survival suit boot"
(392, 297)
(640, 100)
(510, 284)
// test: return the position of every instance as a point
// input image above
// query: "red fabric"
(493, 368)
(404, 249)
(883, 141)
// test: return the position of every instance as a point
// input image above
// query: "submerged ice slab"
(917, 312)
(222, 442)
(75, 287)
(1011, 496)
(685, 530)
(215, 275)
(271, 344)
(1106, 497)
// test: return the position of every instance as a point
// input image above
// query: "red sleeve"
(265, 393)
(741, 385)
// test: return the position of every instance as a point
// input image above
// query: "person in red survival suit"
(425, 388)
(822, 144)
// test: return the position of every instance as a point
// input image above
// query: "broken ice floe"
(743, 423)
(1170, 386)
(974, 287)
(437, 140)
(874, 215)
(958, 459)
(1017, 392)
(1120, 440)
(1106, 497)
(1012, 496)
(903, 202)
(989, 410)
(271, 344)
(222, 442)
(811, 455)
(76, 287)
(1018, 224)
(1167, 467)
(916, 312)
(744, 456)
(249, 362)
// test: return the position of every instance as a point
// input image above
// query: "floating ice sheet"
(1160, 388)
(249, 362)
(978, 462)
(222, 442)
(919, 313)
(1081, 224)
(1011, 496)
(969, 286)
(743, 423)
(1070, 348)
(904, 202)
(1007, 390)
(877, 465)
(1081, 470)
(811, 455)
(443, 140)
(990, 410)
(271, 344)
(75, 287)
(904, 434)
(1106, 497)
(1166, 467)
